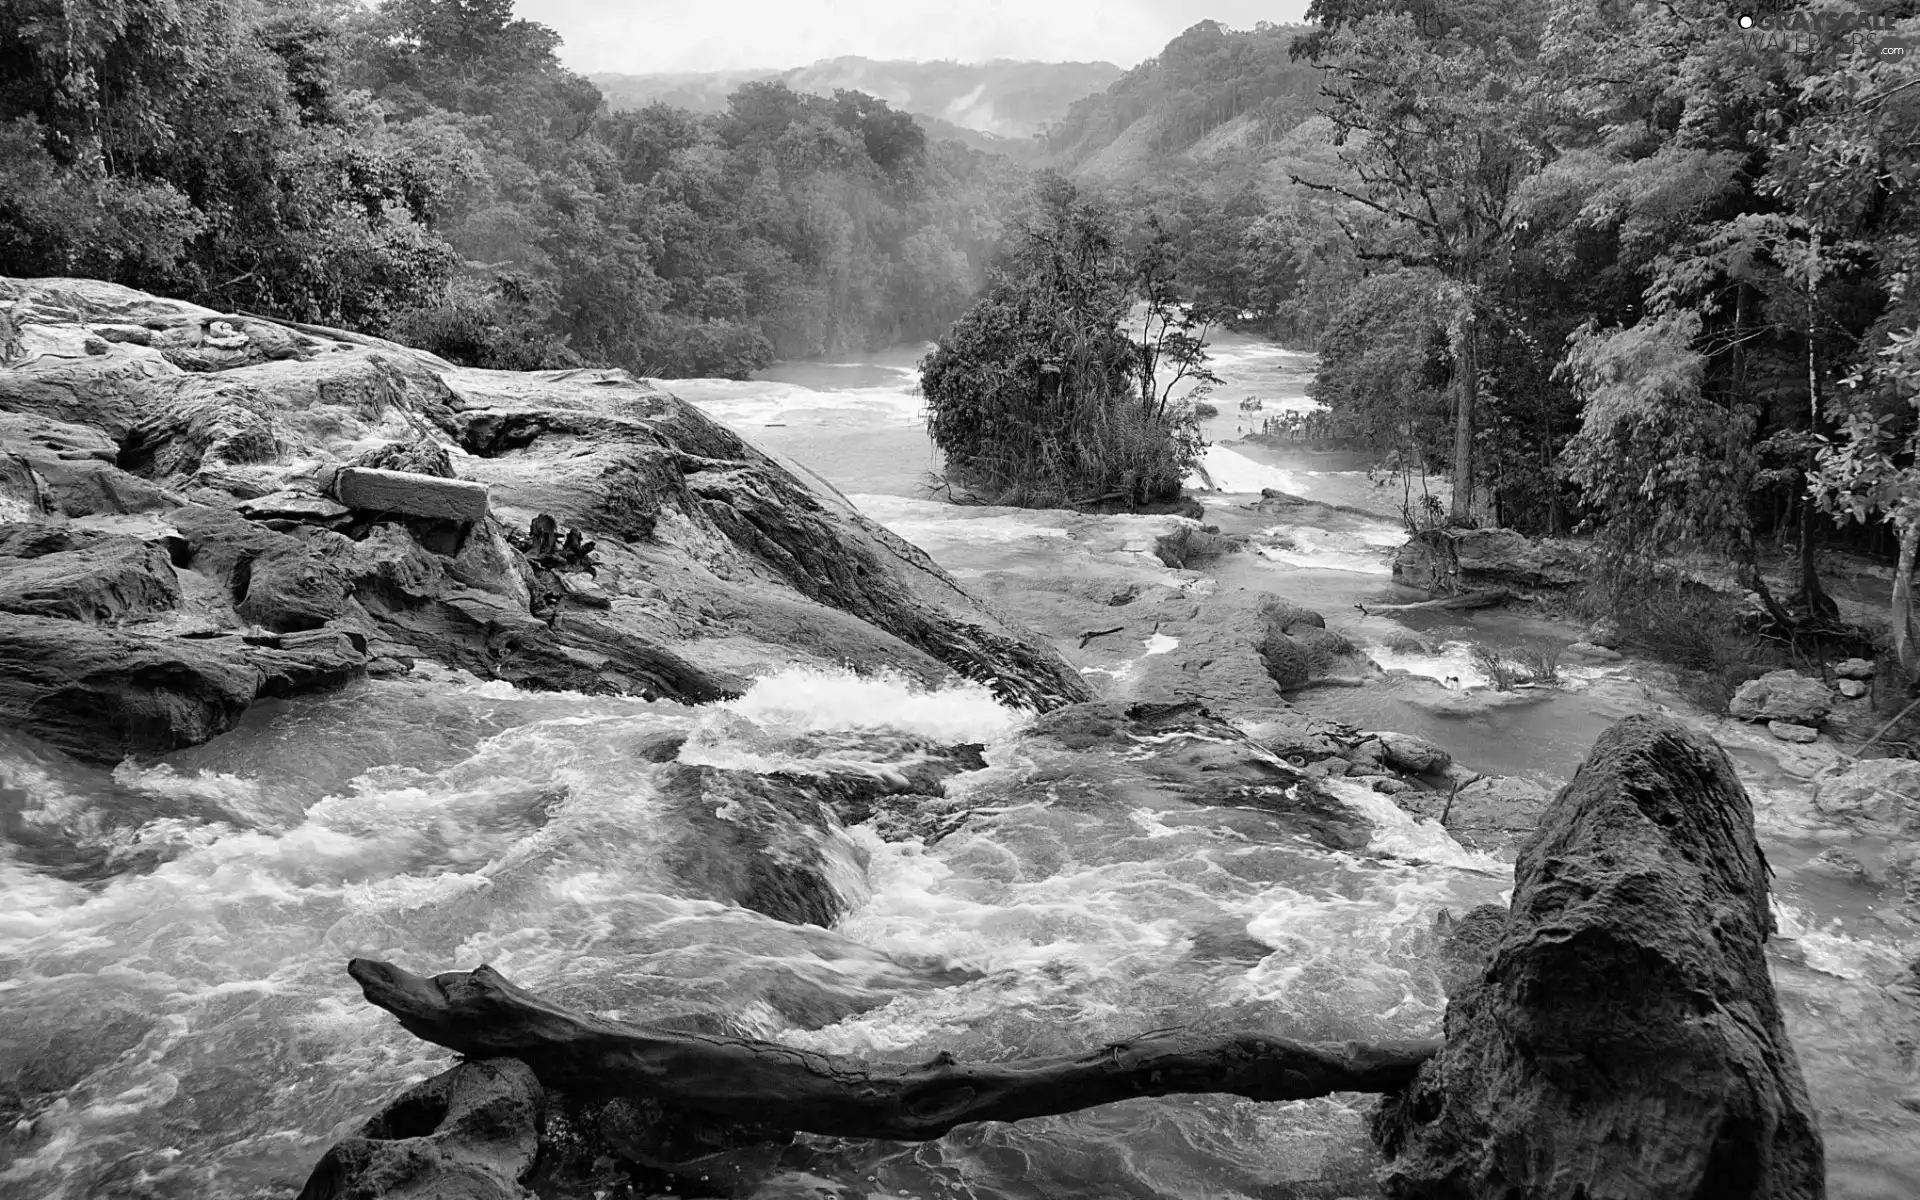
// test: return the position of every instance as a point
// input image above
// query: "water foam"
(815, 699)
(1224, 470)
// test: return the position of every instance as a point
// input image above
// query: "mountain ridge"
(1008, 98)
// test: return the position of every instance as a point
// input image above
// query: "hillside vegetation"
(428, 170)
(1008, 99)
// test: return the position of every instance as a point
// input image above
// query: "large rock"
(471, 1132)
(1784, 695)
(1475, 559)
(699, 562)
(1414, 755)
(83, 575)
(1297, 647)
(1491, 812)
(1880, 792)
(1624, 1042)
(102, 694)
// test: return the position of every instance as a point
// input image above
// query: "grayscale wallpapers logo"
(1804, 30)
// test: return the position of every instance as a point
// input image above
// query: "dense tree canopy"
(429, 170)
(1041, 395)
(1679, 251)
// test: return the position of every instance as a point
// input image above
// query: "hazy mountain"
(1215, 99)
(1004, 98)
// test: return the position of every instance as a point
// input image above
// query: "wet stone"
(1787, 731)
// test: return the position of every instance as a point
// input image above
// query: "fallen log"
(482, 1015)
(1091, 634)
(1485, 599)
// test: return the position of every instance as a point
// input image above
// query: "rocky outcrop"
(469, 1133)
(1189, 544)
(1624, 1040)
(192, 489)
(1299, 649)
(1456, 560)
(1181, 751)
(1784, 695)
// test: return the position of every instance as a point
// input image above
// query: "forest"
(1628, 268)
(1632, 268)
(429, 171)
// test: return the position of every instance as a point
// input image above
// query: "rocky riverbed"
(323, 648)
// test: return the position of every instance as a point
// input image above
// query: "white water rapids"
(176, 1021)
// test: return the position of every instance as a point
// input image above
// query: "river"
(172, 936)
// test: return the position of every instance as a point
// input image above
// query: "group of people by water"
(1298, 426)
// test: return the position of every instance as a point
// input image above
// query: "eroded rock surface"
(1784, 695)
(210, 508)
(1624, 1041)
(1477, 559)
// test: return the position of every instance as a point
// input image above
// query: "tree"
(1037, 396)
(1438, 143)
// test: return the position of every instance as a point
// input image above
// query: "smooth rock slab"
(371, 490)
(1787, 731)
(1855, 668)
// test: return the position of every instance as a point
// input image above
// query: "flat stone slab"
(292, 506)
(1787, 731)
(371, 490)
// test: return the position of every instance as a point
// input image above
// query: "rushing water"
(175, 1019)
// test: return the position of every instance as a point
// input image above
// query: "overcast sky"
(711, 35)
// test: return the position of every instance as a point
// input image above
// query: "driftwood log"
(482, 1015)
(1486, 599)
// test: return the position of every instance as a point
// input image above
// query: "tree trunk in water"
(1463, 431)
(1903, 645)
(481, 1015)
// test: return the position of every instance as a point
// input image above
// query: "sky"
(637, 36)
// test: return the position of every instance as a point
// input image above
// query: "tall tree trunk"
(1463, 429)
(1903, 644)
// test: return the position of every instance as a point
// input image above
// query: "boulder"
(1851, 689)
(469, 1133)
(1880, 792)
(1487, 559)
(1786, 731)
(1297, 648)
(1855, 668)
(1624, 1041)
(1604, 632)
(1783, 695)
(1414, 755)
(1188, 545)
(1486, 812)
